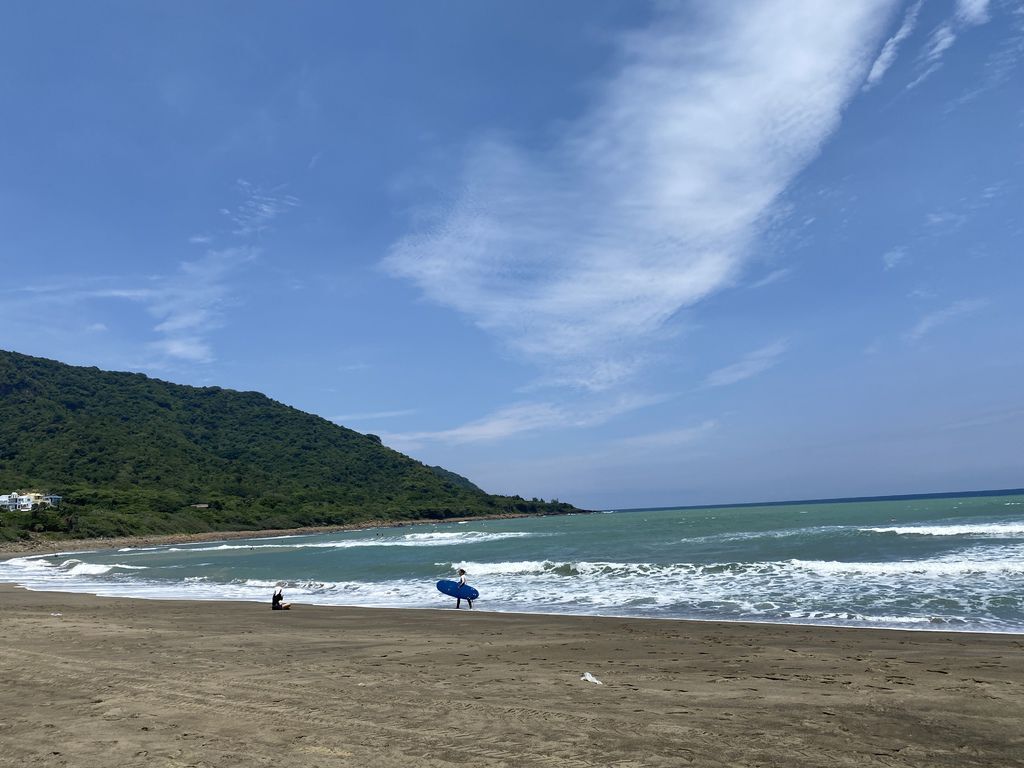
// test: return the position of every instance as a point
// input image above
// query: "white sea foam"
(780, 533)
(1007, 562)
(440, 539)
(975, 587)
(78, 568)
(934, 569)
(987, 530)
(521, 567)
(28, 564)
(463, 537)
(858, 617)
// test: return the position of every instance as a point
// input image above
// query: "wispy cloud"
(946, 221)
(892, 45)
(522, 418)
(189, 304)
(259, 208)
(1004, 58)
(751, 365)
(972, 12)
(668, 438)
(193, 349)
(579, 256)
(938, 318)
(186, 305)
(968, 13)
(893, 257)
(504, 423)
(772, 277)
(942, 222)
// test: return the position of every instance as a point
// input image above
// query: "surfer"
(277, 601)
(462, 583)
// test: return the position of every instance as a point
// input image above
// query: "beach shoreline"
(116, 681)
(38, 545)
(482, 609)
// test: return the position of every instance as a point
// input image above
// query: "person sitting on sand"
(462, 583)
(277, 601)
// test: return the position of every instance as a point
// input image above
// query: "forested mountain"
(130, 454)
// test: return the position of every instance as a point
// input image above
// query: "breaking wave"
(988, 530)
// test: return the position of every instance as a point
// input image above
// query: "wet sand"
(87, 681)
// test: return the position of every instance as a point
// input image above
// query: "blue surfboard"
(454, 589)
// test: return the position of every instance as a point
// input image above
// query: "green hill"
(135, 455)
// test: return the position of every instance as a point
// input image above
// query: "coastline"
(45, 547)
(116, 681)
(38, 545)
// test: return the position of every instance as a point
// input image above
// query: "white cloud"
(669, 438)
(893, 257)
(945, 220)
(924, 75)
(506, 422)
(190, 304)
(186, 306)
(942, 39)
(1002, 60)
(891, 47)
(751, 365)
(772, 277)
(579, 256)
(941, 317)
(259, 208)
(522, 418)
(968, 13)
(972, 12)
(190, 348)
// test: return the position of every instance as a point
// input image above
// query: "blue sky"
(616, 253)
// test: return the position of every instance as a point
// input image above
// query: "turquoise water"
(937, 563)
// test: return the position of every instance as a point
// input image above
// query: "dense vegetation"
(135, 455)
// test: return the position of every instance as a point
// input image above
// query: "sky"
(617, 253)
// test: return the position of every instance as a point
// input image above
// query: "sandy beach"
(93, 681)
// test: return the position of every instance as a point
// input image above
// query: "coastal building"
(26, 502)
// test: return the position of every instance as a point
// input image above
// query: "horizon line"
(836, 500)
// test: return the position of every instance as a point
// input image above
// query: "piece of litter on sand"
(590, 678)
(56, 614)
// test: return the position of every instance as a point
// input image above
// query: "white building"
(26, 502)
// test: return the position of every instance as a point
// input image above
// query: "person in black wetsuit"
(277, 601)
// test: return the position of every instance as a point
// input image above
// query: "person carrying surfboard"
(463, 583)
(460, 590)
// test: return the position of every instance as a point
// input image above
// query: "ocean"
(949, 563)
